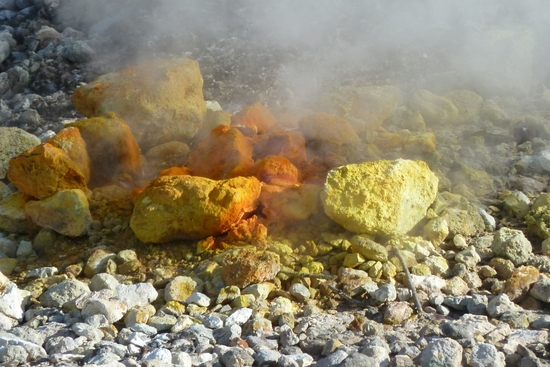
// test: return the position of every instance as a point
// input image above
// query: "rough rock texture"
(368, 106)
(187, 207)
(244, 267)
(436, 110)
(382, 197)
(161, 100)
(112, 148)
(511, 244)
(277, 168)
(283, 203)
(14, 141)
(13, 218)
(226, 153)
(257, 117)
(44, 170)
(70, 141)
(66, 212)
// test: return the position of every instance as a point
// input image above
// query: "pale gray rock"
(511, 244)
(103, 281)
(24, 249)
(13, 301)
(332, 360)
(198, 298)
(487, 355)
(33, 350)
(287, 337)
(499, 305)
(63, 292)
(87, 331)
(239, 317)
(468, 257)
(541, 290)
(267, 357)
(300, 292)
(161, 354)
(442, 352)
(105, 303)
(181, 359)
(44, 272)
(386, 293)
(162, 322)
(136, 294)
(13, 355)
(226, 334)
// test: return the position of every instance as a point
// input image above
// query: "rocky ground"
(479, 260)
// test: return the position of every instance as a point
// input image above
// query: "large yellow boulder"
(188, 207)
(44, 170)
(380, 198)
(161, 100)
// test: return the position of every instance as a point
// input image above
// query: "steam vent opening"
(274, 183)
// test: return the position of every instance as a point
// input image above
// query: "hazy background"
(289, 49)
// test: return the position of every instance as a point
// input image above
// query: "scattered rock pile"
(162, 230)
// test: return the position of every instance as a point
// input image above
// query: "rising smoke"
(491, 46)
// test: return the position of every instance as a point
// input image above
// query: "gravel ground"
(106, 299)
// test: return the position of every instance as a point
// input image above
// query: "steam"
(490, 46)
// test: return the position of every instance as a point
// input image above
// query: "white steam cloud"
(491, 46)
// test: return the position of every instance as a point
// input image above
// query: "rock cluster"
(280, 236)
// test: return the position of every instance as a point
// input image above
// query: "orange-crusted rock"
(175, 171)
(226, 153)
(112, 148)
(328, 128)
(257, 117)
(278, 168)
(242, 267)
(288, 144)
(70, 141)
(248, 230)
(189, 207)
(13, 218)
(161, 100)
(290, 202)
(44, 170)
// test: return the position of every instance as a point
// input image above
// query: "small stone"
(442, 352)
(103, 281)
(468, 257)
(368, 249)
(181, 287)
(97, 262)
(199, 299)
(541, 290)
(512, 244)
(239, 317)
(396, 313)
(63, 292)
(300, 292)
(499, 305)
(228, 294)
